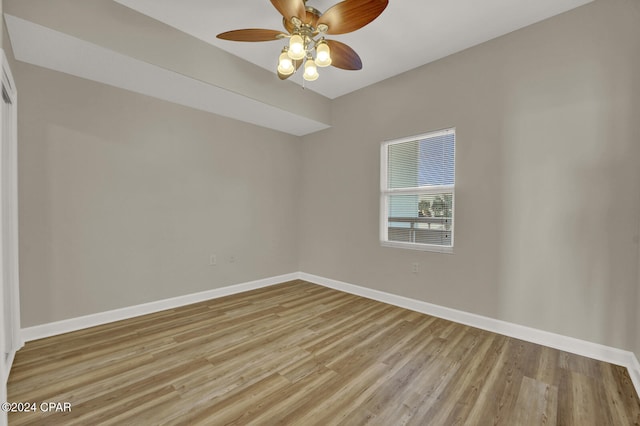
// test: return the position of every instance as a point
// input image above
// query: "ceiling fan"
(306, 29)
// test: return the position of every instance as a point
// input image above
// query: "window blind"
(418, 190)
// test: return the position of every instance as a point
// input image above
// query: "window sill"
(419, 247)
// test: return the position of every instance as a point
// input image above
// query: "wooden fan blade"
(350, 15)
(296, 64)
(344, 57)
(290, 8)
(252, 34)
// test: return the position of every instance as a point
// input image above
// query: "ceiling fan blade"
(350, 15)
(296, 64)
(290, 8)
(251, 34)
(344, 57)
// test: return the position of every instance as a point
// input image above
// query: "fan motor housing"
(310, 21)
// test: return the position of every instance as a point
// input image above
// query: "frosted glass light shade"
(296, 48)
(285, 64)
(310, 71)
(323, 55)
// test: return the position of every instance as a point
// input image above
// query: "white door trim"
(10, 335)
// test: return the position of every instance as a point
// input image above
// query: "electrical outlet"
(213, 260)
(415, 267)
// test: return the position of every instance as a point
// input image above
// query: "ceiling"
(168, 49)
(409, 33)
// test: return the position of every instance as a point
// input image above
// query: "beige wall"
(547, 173)
(124, 197)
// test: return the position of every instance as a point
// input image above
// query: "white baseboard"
(569, 344)
(79, 323)
(634, 372)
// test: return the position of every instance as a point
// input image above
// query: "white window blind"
(417, 191)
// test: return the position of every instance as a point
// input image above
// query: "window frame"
(386, 193)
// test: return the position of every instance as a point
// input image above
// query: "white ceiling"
(409, 33)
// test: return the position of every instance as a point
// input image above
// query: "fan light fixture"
(296, 48)
(285, 64)
(310, 70)
(323, 54)
(306, 28)
(304, 47)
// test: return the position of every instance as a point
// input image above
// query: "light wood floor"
(302, 354)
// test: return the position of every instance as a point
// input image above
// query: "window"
(417, 192)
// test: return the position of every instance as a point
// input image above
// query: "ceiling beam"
(115, 27)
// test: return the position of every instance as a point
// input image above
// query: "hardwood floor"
(303, 354)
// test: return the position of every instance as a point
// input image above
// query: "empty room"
(320, 212)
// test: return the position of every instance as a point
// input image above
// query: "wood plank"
(536, 404)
